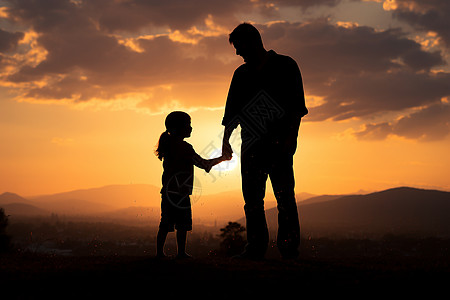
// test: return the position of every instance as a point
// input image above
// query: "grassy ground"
(31, 276)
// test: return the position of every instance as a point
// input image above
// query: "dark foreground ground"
(33, 276)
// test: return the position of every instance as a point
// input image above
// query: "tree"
(4, 238)
(232, 240)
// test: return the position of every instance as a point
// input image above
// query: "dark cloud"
(369, 94)
(427, 124)
(338, 49)
(374, 132)
(270, 7)
(430, 123)
(428, 15)
(305, 3)
(9, 40)
(135, 15)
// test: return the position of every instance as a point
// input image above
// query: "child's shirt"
(178, 164)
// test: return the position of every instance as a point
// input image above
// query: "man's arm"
(292, 134)
(297, 111)
(298, 95)
(226, 147)
(232, 110)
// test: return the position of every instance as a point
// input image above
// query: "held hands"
(212, 162)
(226, 156)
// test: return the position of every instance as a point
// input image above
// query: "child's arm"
(207, 164)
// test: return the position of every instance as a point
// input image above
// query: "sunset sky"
(85, 86)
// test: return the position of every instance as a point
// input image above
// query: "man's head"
(247, 41)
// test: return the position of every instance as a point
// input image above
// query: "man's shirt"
(265, 101)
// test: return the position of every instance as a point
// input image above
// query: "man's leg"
(253, 188)
(283, 183)
(160, 241)
(181, 243)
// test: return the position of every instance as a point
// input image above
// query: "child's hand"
(227, 156)
(208, 168)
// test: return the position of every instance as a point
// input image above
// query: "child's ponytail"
(163, 145)
(174, 121)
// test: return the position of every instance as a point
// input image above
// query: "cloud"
(271, 7)
(353, 48)
(135, 15)
(82, 62)
(9, 40)
(429, 15)
(358, 71)
(378, 131)
(85, 50)
(430, 123)
(366, 95)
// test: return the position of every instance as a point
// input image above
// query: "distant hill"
(318, 199)
(8, 198)
(103, 199)
(401, 210)
(22, 209)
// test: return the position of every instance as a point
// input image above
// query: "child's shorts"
(176, 213)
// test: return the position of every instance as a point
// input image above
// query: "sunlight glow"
(226, 166)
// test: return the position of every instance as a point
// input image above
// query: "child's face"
(185, 129)
(188, 129)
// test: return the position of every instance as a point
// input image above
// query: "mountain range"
(401, 210)
(397, 210)
(123, 201)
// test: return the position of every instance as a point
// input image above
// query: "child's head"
(178, 126)
(178, 123)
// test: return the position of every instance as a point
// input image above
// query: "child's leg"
(181, 243)
(160, 241)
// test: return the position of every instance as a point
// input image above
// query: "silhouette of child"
(178, 159)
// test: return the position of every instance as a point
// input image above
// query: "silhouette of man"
(266, 99)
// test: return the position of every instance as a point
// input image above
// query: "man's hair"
(247, 33)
